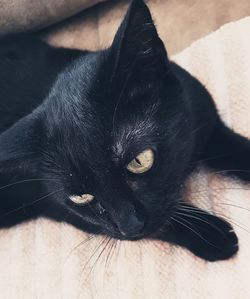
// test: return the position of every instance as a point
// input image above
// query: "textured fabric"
(30, 15)
(40, 259)
(178, 22)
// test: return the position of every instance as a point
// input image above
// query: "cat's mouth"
(136, 236)
(129, 234)
(145, 234)
(130, 238)
(147, 230)
(132, 235)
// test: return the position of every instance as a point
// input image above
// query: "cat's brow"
(132, 134)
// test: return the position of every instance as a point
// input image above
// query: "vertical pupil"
(138, 161)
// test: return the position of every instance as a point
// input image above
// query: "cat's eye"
(142, 163)
(81, 200)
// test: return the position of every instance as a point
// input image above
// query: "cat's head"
(112, 142)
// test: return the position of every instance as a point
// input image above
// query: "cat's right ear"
(137, 47)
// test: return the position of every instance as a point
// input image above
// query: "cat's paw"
(217, 243)
(205, 235)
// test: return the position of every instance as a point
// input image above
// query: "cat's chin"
(149, 232)
(132, 238)
(123, 237)
(146, 234)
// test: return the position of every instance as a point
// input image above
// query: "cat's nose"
(131, 226)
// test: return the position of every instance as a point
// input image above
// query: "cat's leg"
(228, 152)
(205, 235)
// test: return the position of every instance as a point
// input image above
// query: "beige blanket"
(31, 15)
(44, 259)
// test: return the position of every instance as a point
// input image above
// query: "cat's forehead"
(132, 135)
(93, 117)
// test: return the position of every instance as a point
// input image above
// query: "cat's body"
(71, 122)
(29, 69)
(23, 56)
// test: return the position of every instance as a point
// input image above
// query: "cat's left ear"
(19, 170)
(137, 47)
(17, 142)
(17, 149)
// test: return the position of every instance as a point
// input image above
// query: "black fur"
(71, 121)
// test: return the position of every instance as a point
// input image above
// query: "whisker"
(229, 219)
(209, 190)
(208, 159)
(195, 210)
(174, 218)
(119, 242)
(111, 252)
(194, 231)
(228, 170)
(25, 181)
(202, 220)
(100, 254)
(232, 221)
(31, 203)
(102, 241)
(229, 203)
(78, 245)
(108, 254)
(115, 248)
(234, 205)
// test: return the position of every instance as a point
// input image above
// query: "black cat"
(105, 140)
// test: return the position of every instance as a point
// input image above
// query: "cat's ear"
(19, 185)
(18, 142)
(137, 46)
